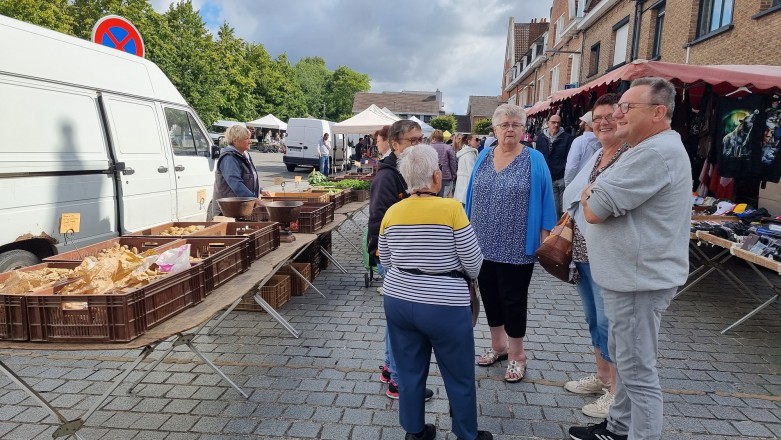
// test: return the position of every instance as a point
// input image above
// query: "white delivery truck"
(218, 129)
(303, 137)
(96, 143)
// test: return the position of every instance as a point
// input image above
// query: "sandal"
(491, 357)
(515, 371)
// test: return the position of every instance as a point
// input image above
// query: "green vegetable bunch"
(353, 184)
(317, 178)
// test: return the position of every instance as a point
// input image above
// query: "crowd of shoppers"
(625, 181)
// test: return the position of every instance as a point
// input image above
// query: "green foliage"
(341, 89)
(52, 14)
(444, 122)
(312, 76)
(226, 78)
(483, 126)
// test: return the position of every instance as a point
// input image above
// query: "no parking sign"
(119, 33)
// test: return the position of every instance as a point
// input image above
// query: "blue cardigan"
(542, 209)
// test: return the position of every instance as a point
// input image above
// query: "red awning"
(538, 107)
(723, 78)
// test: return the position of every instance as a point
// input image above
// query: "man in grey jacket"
(639, 214)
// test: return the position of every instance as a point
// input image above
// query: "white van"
(92, 131)
(303, 137)
(218, 129)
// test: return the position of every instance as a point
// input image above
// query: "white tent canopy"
(268, 121)
(367, 121)
(425, 128)
(390, 113)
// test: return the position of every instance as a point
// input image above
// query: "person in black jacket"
(389, 187)
(554, 143)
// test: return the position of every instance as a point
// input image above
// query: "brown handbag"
(555, 252)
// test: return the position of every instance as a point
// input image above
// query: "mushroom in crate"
(239, 208)
(284, 212)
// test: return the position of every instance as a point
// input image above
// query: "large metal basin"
(283, 211)
(237, 207)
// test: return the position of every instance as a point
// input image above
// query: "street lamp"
(323, 110)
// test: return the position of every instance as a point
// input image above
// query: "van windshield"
(217, 129)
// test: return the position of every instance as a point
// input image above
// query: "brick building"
(524, 52)
(405, 104)
(602, 35)
(481, 107)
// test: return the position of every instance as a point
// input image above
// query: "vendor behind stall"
(235, 175)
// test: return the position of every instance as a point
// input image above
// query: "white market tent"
(390, 113)
(268, 121)
(425, 128)
(367, 121)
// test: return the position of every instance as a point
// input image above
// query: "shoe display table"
(181, 329)
(730, 249)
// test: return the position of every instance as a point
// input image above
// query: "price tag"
(201, 196)
(298, 179)
(279, 180)
(357, 163)
(70, 222)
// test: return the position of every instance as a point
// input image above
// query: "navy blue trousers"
(415, 329)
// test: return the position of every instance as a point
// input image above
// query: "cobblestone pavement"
(324, 385)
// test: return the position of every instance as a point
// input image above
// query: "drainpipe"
(636, 32)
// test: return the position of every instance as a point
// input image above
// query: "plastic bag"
(174, 260)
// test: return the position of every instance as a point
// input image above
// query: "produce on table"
(347, 183)
(177, 231)
(113, 269)
(316, 177)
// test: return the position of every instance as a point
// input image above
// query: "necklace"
(425, 193)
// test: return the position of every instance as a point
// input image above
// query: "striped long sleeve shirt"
(432, 235)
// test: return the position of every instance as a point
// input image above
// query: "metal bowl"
(284, 211)
(237, 207)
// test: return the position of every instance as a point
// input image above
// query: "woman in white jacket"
(466, 157)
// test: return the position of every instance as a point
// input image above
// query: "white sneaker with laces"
(586, 385)
(600, 407)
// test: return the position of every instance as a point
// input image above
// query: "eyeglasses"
(626, 106)
(414, 140)
(599, 119)
(506, 125)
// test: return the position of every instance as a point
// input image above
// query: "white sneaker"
(379, 289)
(586, 385)
(600, 407)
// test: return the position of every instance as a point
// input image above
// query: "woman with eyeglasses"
(431, 252)
(603, 382)
(388, 188)
(467, 156)
(510, 204)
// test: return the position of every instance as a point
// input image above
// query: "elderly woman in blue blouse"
(510, 204)
(431, 250)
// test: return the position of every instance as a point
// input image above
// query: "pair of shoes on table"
(429, 433)
(599, 408)
(586, 385)
(491, 357)
(515, 371)
(393, 392)
(594, 432)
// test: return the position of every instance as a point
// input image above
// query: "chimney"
(439, 98)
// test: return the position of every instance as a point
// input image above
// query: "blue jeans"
(415, 330)
(324, 165)
(594, 309)
(635, 318)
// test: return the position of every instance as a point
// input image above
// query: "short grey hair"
(236, 133)
(510, 111)
(417, 165)
(400, 128)
(662, 92)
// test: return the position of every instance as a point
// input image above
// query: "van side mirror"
(215, 152)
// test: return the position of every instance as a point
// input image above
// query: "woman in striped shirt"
(430, 251)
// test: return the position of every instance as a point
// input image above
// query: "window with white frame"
(554, 79)
(559, 27)
(541, 88)
(620, 41)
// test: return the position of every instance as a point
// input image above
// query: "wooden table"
(196, 317)
(716, 263)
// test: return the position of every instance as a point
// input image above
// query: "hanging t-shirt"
(739, 128)
(771, 142)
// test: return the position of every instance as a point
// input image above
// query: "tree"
(52, 14)
(483, 126)
(238, 77)
(193, 66)
(444, 122)
(278, 91)
(341, 89)
(312, 76)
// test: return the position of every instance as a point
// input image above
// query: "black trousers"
(504, 289)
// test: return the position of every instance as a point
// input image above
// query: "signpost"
(119, 33)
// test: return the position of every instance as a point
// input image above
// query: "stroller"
(369, 261)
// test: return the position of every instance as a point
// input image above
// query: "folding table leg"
(773, 287)
(214, 367)
(151, 368)
(66, 427)
(274, 314)
(306, 280)
(332, 260)
(348, 241)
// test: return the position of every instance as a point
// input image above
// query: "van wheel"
(17, 259)
(290, 167)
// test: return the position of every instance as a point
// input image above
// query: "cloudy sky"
(456, 46)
